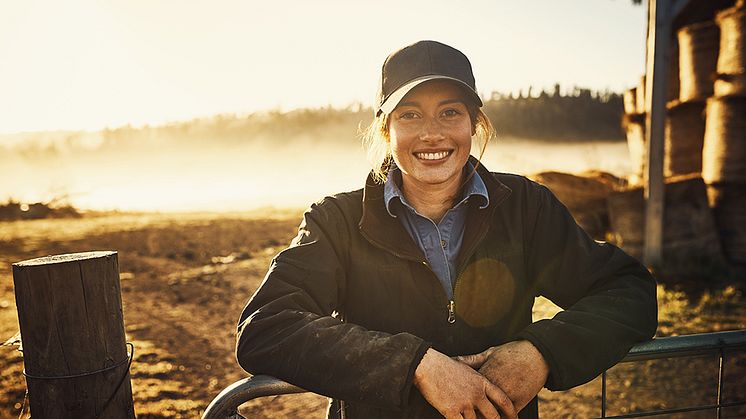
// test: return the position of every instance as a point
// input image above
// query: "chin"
(436, 177)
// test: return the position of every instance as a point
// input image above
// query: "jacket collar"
(386, 232)
(392, 192)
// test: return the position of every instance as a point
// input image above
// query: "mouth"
(433, 155)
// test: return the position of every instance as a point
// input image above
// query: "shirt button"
(443, 244)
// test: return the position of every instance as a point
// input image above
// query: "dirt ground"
(186, 277)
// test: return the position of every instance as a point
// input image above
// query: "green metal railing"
(226, 404)
(685, 346)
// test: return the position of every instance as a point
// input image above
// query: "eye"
(451, 112)
(408, 115)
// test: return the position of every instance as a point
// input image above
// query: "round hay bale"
(579, 191)
(698, 54)
(674, 86)
(728, 201)
(627, 219)
(724, 149)
(730, 85)
(685, 133)
(732, 57)
(630, 100)
(640, 102)
(635, 129)
(584, 195)
(690, 242)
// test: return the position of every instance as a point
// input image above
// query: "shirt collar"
(474, 187)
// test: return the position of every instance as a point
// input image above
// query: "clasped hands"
(496, 383)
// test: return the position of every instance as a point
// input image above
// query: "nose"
(431, 129)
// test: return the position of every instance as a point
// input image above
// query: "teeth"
(432, 156)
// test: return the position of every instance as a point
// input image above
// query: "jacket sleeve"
(287, 329)
(608, 297)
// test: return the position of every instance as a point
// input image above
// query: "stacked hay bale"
(724, 154)
(691, 246)
(634, 116)
(634, 126)
(694, 56)
(685, 122)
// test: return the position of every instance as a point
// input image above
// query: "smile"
(433, 156)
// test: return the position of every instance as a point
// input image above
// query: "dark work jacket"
(349, 309)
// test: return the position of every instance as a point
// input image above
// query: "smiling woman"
(412, 297)
(430, 134)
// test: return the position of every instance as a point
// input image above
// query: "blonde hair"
(377, 144)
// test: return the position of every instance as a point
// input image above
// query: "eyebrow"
(441, 103)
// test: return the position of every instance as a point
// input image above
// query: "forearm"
(608, 297)
(324, 355)
(596, 332)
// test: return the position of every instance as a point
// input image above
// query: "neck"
(431, 200)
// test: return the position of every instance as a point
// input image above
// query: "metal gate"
(722, 344)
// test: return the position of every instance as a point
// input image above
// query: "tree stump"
(72, 328)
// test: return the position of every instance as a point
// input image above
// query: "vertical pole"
(721, 377)
(72, 327)
(659, 35)
(603, 394)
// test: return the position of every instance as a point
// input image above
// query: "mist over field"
(243, 176)
(291, 159)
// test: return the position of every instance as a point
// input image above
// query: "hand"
(518, 368)
(458, 391)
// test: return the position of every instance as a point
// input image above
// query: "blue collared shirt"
(439, 242)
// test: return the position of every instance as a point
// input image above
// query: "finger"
(487, 409)
(456, 415)
(502, 401)
(474, 361)
(469, 414)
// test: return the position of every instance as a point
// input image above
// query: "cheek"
(463, 133)
(461, 127)
(398, 142)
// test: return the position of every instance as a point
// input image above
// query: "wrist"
(424, 366)
(541, 363)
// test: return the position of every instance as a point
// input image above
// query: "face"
(430, 133)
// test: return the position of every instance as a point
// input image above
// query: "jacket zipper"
(452, 303)
(451, 306)
(451, 312)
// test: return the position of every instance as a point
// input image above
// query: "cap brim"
(393, 100)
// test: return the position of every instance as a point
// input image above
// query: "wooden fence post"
(72, 329)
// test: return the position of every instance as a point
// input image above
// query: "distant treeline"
(580, 115)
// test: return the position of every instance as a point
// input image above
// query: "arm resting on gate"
(226, 403)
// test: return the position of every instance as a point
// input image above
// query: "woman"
(386, 291)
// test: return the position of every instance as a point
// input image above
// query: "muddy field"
(186, 277)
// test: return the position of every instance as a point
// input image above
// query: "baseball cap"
(422, 61)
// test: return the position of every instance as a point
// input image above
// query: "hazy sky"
(81, 64)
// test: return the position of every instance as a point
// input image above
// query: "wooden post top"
(69, 257)
(74, 343)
